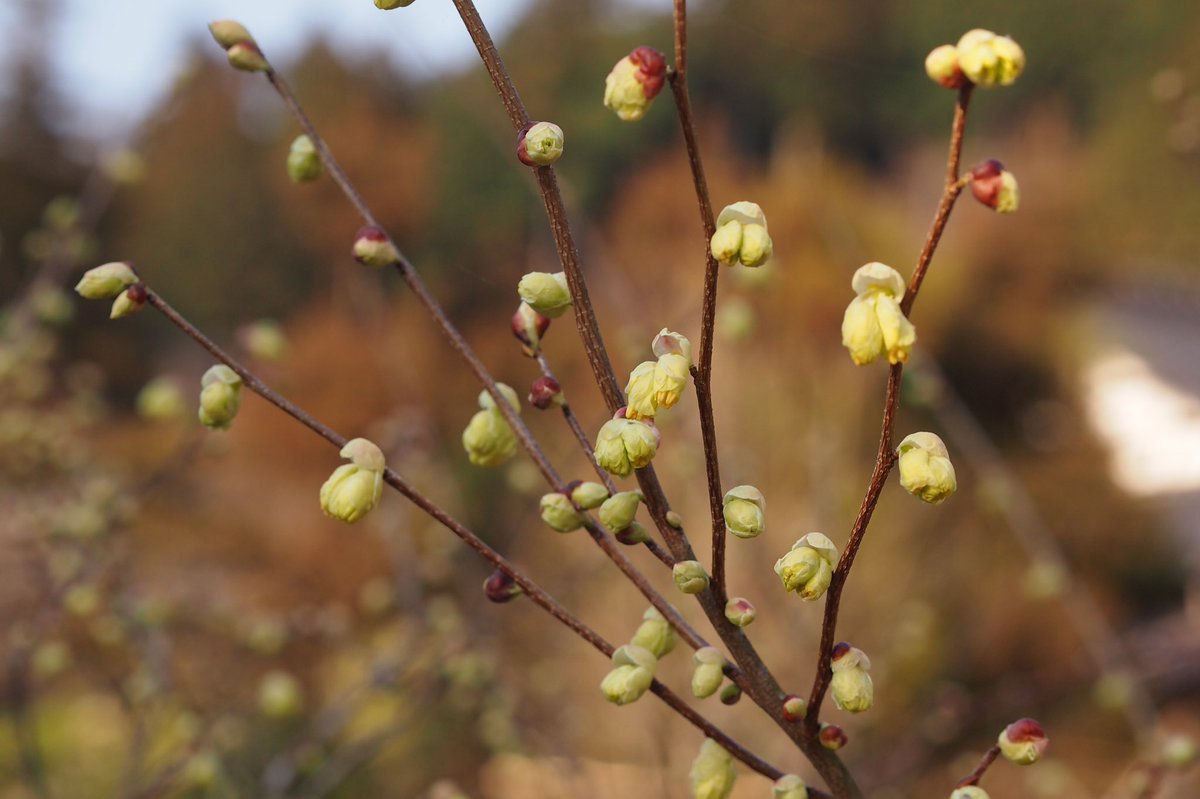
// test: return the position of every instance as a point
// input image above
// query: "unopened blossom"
(741, 236)
(941, 65)
(744, 508)
(559, 513)
(355, 488)
(995, 186)
(106, 281)
(988, 59)
(303, 163)
(789, 786)
(655, 634)
(925, 468)
(807, 568)
(588, 495)
(740, 611)
(873, 324)
(970, 792)
(546, 292)
(617, 512)
(1023, 742)
(708, 671)
(220, 397)
(541, 144)
(851, 686)
(634, 82)
(623, 445)
(632, 675)
(712, 773)
(488, 438)
(690, 576)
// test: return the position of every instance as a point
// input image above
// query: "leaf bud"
(303, 163)
(559, 513)
(546, 292)
(372, 247)
(990, 60)
(789, 786)
(588, 495)
(689, 576)
(740, 611)
(617, 512)
(247, 57)
(925, 468)
(741, 236)
(634, 82)
(355, 488)
(969, 792)
(851, 686)
(794, 707)
(106, 281)
(501, 588)
(545, 392)
(654, 634)
(128, 302)
(744, 508)
(623, 445)
(712, 773)
(995, 186)
(941, 65)
(1023, 742)
(220, 397)
(807, 568)
(708, 672)
(832, 736)
(529, 326)
(279, 695)
(632, 535)
(540, 144)
(632, 676)
(730, 694)
(873, 324)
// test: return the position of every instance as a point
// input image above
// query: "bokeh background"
(178, 618)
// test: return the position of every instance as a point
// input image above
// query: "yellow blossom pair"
(980, 57)
(873, 324)
(659, 384)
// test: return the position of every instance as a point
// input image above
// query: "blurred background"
(177, 618)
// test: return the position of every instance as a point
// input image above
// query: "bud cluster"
(980, 57)
(807, 568)
(114, 281)
(240, 47)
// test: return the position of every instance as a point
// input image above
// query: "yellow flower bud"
(624, 445)
(355, 488)
(372, 247)
(220, 397)
(303, 163)
(670, 379)
(873, 324)
(708, 672)
(546, 292)
(634, 81)
(925, 468)
(160, 400)
(1023, 742)
(540, 145)
(990, 60)
(106, 281)
(654, 634)
(264, 339)
(668, 341)
(789, 786)
(807, 568)
(247, 57)
(740, 611)
(559, 513)
(279, 695)
(744, 511)
(589, 495)
(851, 686)
(941, 65)
(128, 302)
(970, 792)
(741, 235)
(227, 33)
(488, 439)
(712, 773)
(689, 576)
(617, 512)
(632, 676)
(639, 391)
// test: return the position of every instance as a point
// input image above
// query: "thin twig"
(985, 762)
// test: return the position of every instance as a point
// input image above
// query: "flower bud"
(807, 568)
(851, 686)
(540, 144)
(668, 342)
(941, 65)
(712, 773)
(1179, 751)
(220, 397)
(588, 495)
(247, 57)
(789, 786)
(106, 281)
(740, 611)
(559, 513)
(487, 402)
(794, 707)
(730, 694)
(741, 235)
(303, 163)
(227, 33)
(639, 391)
(529, 326)
(623, 445)
(546, 292)
(708, 673)
(635, 80)
(1023, 742)
(925, 468)
(160, 400)
(832, 737)
(632, 676)
(129, 301)
(969, 792)
(632, 535)
(617, 512)
(354, 488)
(654, 634)
(744, 509)
(990, 60)
(995, 186)
(279, 695)
(372, 247)
(873, 324)
(264, 339)
(388, 5)
(488, 439)
(544, 392)
(670, 379)
(501, 588)
(689, 576)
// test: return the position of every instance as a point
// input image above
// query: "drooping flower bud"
(632, 535)
(990, 60)
(832, 736)
(546, 292)
(107, 281)
(807, 568)
(617, 512)
(873, 324)
(623, 445)
(355, 488)
(995, 187)
(372, 247)
(160, 400)
(227, 33)
(488, 439)
(941, 65)
(559, 513)
(639, 392)
(220, 397)
(546, 392)
(303, 163)
(388, 5)
(740, 611)
(654, 634)
(632, 676)
(925, 468)
(744, 511)
(712, 772)
(128, 302)
(588, 495)
(970, 792)
(279, 695)
(247, 57)
(789, 786)
(689, 576)
(635, 80)
(708, 672)
(741, 235)
(851, 686)
(529, 326)
(670, 379)
(1023, 742)
(501, 588)
(730, 694)
(540, 144)
(794, 707)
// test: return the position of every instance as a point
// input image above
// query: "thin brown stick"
(985, 762)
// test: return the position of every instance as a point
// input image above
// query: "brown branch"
(985, 762)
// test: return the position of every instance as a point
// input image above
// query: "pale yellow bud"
(740, 611)
(990, 60)
(161, 400)
(634, 81)
(106, 281)
(279, 695)
(654, 634)
(632, 676)
(851, 686)
(712, 773)
(488, 439)
(639, 391)
(807, 568)
(668, 341)
(617, 512)
(708, 672)
(624, 445)
(589, 495)
(1179, 751)
(726, 243)
(487, 402)
(559, 513)
(227, 32)
(128, 302)
(541, 145)
(546, 292)
(247, 57)
(744, 511)
(303, 163)
(757, 246)
(670, 379)
(941, 65)
(741, 235)
(925, 468)
(351, 492)
(970, 792)
(1023, 742)
(689, 576)
(789, 786)
(220, 397)
(388, 5)
(873, 324)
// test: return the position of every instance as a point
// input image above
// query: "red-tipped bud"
(129, 301)
(372, 247)
(247, 57)
(794, 707)
(652, 69)
(529, 326)
(544, 392)
(1023, 742)
(832, 736)
(540, 144)
(995, 186)
(501, 588)
(730, 694)
(632, 535)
